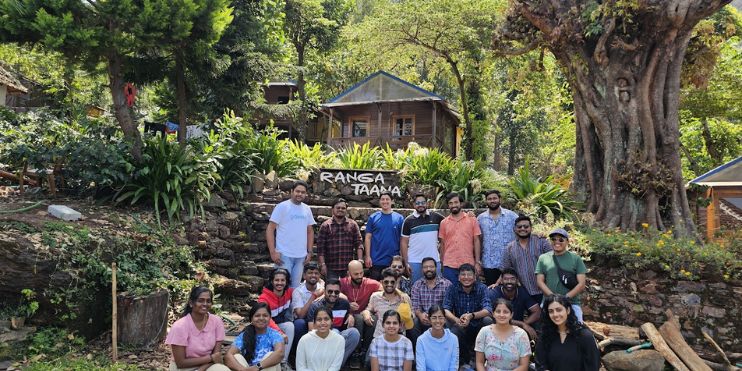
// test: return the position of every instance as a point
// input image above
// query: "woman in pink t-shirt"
(196, 338)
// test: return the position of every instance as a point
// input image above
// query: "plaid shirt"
(459, 301)
(338, 243)
(524, 261)
(391, 356)
(423, 297)
(405, 285)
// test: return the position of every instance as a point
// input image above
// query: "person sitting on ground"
(196, 338)
(258, 347)
(392, 351)
(565, 343)
(502, 346)
(342, 320)
(321, 349)
(468, 309)
(277, 295)
(437, 349)
(382, 301)
(519, 298)
(302, 298)
(358, 290)
(426, 292)
(404, 284)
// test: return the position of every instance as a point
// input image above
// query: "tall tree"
(311, 25)
(623, 60)
(454, 31)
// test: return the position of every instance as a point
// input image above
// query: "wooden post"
(51, 181)
(711, 214)
(114, 319)
(21, 177)
(435, 124)
(661, 346)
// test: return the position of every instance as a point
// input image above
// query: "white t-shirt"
(291, 235)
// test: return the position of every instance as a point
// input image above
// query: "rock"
(180, 240)
(215, 201)
(258, 183)
(650, 288)
(286, 184)
(690, 299)
(713, 311)
(224, 231)
(16, 336)
(230, 216)
(254, 283)
(63, 212)
(640, 360)
(689, 286)
(231, 287)
(224, 263)
(271, 180)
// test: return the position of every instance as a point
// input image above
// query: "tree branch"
(516, 51)
(601, 54)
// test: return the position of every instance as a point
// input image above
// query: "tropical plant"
(271, 153)
(171, 176)
(428, 166)
(360, 157)
(465, 179)
(28, 305)
(542, 198)
(311, 158)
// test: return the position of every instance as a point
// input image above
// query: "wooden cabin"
(725, 191)
(275, 110)
(11, 89)
(384, 109)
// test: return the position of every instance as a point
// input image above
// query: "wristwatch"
(260, 367)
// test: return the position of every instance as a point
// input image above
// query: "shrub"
(271, 153)
(173, 177)
(311, 158)
(428, 166)
(360, 157)
(681, 258)
(541, 198)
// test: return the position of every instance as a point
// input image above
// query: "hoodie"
(317, 354)
(280, 306)
(435, 354)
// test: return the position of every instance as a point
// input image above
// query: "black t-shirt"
(579, 352)
(521, 302)
(340, 312)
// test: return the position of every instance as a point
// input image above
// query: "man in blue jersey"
(383, 231)
(420, 237)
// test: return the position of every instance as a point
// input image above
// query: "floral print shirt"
(496, 235)
(502, 355)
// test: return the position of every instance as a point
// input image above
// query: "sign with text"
(362, 182)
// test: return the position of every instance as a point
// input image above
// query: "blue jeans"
(451, 274)
(295, 266)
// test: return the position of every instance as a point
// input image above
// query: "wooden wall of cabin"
(272, 94)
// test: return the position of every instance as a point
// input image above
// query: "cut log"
(142, 320)
(14, 178)
(717, 347)
(670, 331)
(607, 330)
(618, 341)
(661, 346)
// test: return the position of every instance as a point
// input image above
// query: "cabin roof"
(729, 174)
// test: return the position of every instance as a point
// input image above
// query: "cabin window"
(358, 128)
(404, 126)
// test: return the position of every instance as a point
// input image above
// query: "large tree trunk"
(301, 89)
(625, 87)
(180, 91)
(469, 140)
(121, 110)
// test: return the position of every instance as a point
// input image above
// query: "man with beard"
(383, 231)
(497, 232)
(382, 301)
(290, 233)
(468, 309)
(426, 292)
(403, 283)
(520, 299)
(459, 234)
(420, 236)
(342, 320)
(523, 253)
(301, 299)
(338, 242)
(358, 290)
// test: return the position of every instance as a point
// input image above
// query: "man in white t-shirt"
(290, 233)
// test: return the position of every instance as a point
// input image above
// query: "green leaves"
(542, 198)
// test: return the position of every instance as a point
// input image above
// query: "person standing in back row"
(338, 242)
(459, 235)
(550, 280)
(290, 233)
(383, 231)
(497, 232)
(420, 237)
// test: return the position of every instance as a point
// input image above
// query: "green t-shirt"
(569, 261)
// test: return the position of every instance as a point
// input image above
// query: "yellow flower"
(638, 254)
(726, 277)
(645, 225)
(687, 274)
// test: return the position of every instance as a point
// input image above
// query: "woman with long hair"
(437, 349)
(392, 351)
(196, 338)
(565, 343)
(258, 347)
(502, 346)
(320, 349)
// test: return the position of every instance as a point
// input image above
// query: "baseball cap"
(561, 232)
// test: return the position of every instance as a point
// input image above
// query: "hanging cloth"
(131, 92)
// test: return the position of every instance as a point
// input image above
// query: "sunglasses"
(389, 282)
(333, 292)
(421, 202)
(522, 226)
(558, 239)
(396, 267)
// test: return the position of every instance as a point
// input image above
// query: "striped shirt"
(422, 229)
(524, 261)
(496, 234)
(424, 297)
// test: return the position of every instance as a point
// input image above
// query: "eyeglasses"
(421, 202)
(333, 292)
(387, 282)
(522, 226)
(558, 239)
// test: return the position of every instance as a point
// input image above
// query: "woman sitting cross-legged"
(437, 348)
(196, 338)
(392, 351)
(321, 349)
(258, 347)
(565, 344)
(502, 346)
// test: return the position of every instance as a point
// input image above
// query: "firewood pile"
(647, 348)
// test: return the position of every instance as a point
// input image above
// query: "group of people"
(443, 317)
